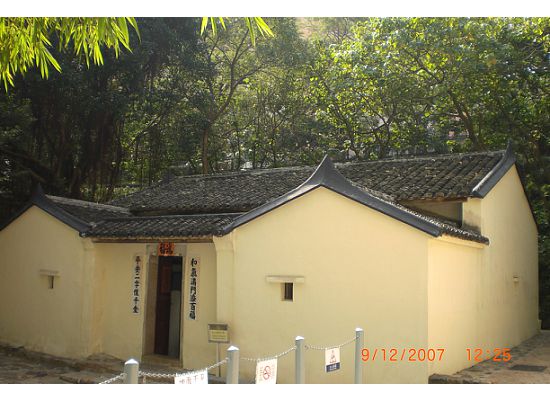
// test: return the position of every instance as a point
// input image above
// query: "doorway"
(168, 306)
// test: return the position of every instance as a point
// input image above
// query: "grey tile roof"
(166, 226)
(439, 177)
(327, 176)
(199, 206)
(87, 211)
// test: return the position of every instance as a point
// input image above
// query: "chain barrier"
(255, 360)
(113, 379)
(216, 365)
(156, 375)
(161, 375)
(173, 375)
(309, 347)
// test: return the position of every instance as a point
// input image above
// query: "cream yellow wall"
(454, 292)
(509, 309)
(472, 292)
(361, 269)
(32, 315)
(196, 351)
(121, 330)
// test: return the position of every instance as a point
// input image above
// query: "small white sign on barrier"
(192, 378)
(266, 371)
(332, 359)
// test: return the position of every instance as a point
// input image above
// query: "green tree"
(80, 132)
(270, 122)
(231, 61)
(26, 42)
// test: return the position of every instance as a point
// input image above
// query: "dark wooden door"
(162, 323)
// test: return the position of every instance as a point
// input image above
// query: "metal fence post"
(131, 369)
(359, 338)
(300, 368)
(232, 365)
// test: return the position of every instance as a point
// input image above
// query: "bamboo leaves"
(252, 23)
(25, 42)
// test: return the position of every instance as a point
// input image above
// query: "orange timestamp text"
(496, 354)
(408, 355)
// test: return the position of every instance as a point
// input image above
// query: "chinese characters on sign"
(332, 359)
(136, 285)
(266, 371)
(218, 333)
(192, 378)
(194, 263)
(166, 249)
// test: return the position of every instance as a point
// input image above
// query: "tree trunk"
(205, 134)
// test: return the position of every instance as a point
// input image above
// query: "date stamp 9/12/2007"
(432, 354)
(408, 355)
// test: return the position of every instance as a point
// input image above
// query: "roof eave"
(40, 200)
(494, 176)
(154, 239)
(480, 242)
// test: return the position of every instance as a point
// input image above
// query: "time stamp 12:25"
(421, 354)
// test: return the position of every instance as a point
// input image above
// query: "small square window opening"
(288, 291)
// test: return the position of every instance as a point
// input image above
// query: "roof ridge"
(244, 171)
(489, 180)
(423, 157)
(69, 201)
(168, 216)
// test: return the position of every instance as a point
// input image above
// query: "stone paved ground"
(21, 366)
(535, 351)
(18, 365)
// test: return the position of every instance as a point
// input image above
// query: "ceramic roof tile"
(204, 205)
(167, 226)
(434, 177)
(87, 211)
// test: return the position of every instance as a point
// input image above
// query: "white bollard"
(131, 369)
(359, 338)
(300, 366)
(232, 365)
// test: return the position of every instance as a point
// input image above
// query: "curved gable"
(328, 177)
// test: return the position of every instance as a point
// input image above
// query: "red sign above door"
(166, 249)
